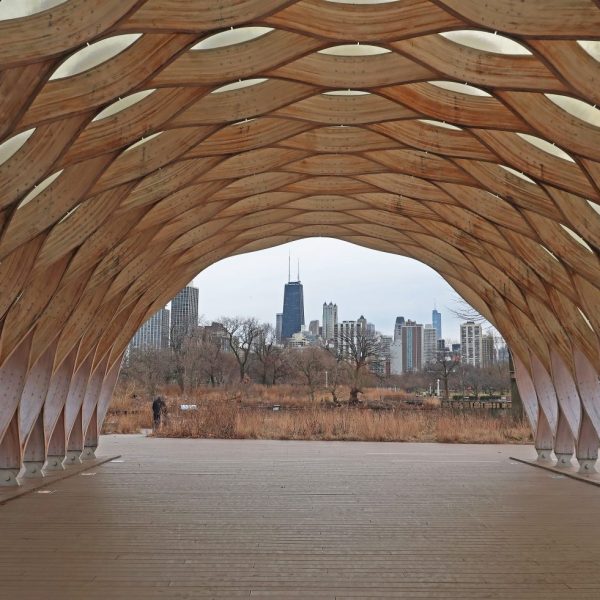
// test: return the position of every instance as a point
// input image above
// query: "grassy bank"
(237, 415)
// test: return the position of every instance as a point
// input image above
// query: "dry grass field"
(248, 413)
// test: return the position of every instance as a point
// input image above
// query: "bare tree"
(149, 367)
(361, 350)
(280, 364)
(266, 352)
(444, 365)
(191, 358)
(241, 334)
(308, 362)
(474, 378)
(217, 363)
(337, 371)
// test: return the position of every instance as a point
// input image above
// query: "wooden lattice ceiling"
(461, 133)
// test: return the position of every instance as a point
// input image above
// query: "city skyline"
(251, 285)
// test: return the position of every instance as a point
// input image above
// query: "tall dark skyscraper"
(293, 309)
(184, 314)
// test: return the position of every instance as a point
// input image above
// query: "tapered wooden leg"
(566, 392)
(91, 439)
(54, 413)
(89, 410)
(588, 382)
(57, 448)
(544, 439)
(587, 446)
(34, 455)
(75, 444)
(10, 453)
(527, 392)
(108, 387)
(31, 416)
(12, 380)
(564, 443)
(544, 388)
(73, 412)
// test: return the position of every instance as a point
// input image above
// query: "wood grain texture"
(233, 519)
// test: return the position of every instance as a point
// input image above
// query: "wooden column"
(75, 443)
(10, 452)
(34, 453)
(31, 420)
(548, 409)
(588, 384)
(89, 413)
(54, 412)
(73, 411)
(108, 387)
(57, 445)
(569, 420)
(564, 442)
(12, 381)
(526, 392)
(91, 437)
(587, 445)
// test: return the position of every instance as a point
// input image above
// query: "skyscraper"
(429, 344)
(396, 357)
(383, 365)
(313, 327)
(470, 343)
(488, 350)
(503, 353)
(184, 314)
(154, 333)
(441, 349)
(330, 320)
(362, 326)
(398, 327)
(278, 326)
(293, 309)
(412, 346)
(345, 337)
(436, 319)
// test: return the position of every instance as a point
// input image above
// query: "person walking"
(159, 412)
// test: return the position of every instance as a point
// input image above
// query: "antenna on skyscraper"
(298, 270)
(289, 266)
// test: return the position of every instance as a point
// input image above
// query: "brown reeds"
(128, 413)
(238, 415)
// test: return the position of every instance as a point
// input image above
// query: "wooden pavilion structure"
(143, 140)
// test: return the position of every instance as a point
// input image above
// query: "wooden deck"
(181, 519)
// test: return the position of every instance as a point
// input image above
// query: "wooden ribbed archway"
(143, 140)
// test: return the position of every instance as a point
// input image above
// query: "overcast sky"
(379, 285)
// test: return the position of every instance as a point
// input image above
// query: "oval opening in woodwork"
(93, 55)
(230, 37)
(486, 42)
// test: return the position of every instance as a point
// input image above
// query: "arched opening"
(262, 340)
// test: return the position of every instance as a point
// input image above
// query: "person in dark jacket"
(159, 411)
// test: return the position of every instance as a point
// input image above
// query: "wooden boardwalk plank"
(304, 520)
